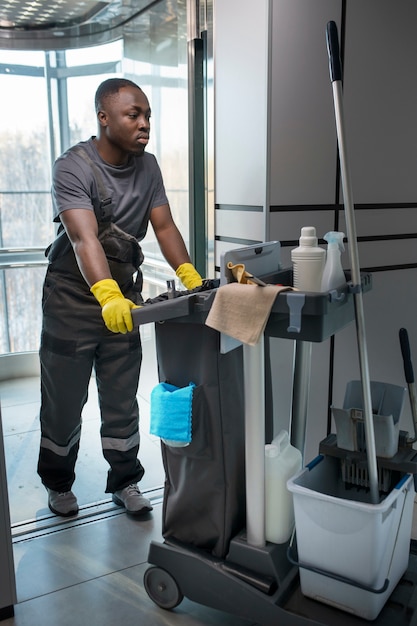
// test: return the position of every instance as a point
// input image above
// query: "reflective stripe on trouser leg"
(117, 365)
(72, 327)
(64, 387)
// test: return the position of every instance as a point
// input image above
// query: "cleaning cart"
(262, 578)
(230, 566)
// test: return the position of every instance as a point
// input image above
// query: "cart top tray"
(305, 316)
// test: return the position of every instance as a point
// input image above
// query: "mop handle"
(405, 351)
(336, 75)
(335, 67)
(332, 39)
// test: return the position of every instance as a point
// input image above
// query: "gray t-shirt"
(135, 188)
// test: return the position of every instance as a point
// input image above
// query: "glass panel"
(22, 57)
(82, 116)
(97, 54)
(25, 202)
(25, 166)
(81, 89)
(20, 309)
(153, 54)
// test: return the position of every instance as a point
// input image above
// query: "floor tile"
(20, 419)
(92, 575)
(80, 553)
(19, 391)
(117, 598)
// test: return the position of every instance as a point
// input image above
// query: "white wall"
(276, 151)
(241, 121)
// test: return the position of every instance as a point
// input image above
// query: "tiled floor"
(92, 575)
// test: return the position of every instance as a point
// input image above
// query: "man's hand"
(115, 308)
(189, 276)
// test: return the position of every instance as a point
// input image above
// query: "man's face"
(125, 120)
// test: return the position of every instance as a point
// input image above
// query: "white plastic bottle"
(333, 274)
(308, 261)
(282, 461)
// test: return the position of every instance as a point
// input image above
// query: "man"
(89, 292)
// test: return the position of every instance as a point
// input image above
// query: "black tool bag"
(122, 250)
(204, 496)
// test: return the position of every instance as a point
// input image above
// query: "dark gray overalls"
(74, 339)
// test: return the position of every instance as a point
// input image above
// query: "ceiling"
(29, 14)
(57, 24)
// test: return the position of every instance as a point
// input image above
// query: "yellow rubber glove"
(189, 276)
(115, 308)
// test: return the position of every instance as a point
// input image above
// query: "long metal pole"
(336, 78)
(301, 393)
(254, 385)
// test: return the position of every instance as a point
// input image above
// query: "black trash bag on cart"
(204, 496)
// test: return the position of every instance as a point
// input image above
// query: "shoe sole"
(69, 514)
(144, 509)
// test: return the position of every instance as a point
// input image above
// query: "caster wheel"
(162, 588)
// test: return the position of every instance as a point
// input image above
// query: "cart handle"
(335, 65)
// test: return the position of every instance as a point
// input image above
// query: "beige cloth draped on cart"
(241, 309)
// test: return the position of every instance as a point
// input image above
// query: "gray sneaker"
(131, 498)
(62, 503)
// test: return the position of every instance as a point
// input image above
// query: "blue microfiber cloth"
(171, 412)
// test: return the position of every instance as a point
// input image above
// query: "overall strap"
(105, 210)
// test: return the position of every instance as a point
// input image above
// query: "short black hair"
(110, 87)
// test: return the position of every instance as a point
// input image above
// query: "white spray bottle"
(333, 274)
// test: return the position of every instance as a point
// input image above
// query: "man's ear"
(102, 118)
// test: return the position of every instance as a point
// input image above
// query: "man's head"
(110, 88)
(123, 115)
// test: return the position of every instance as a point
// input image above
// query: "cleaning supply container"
(282, 460)
(333, 274)
(308, 261)
(351, 554)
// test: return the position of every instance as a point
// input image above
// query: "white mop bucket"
(351, 554)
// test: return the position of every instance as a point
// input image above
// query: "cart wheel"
(162, 588)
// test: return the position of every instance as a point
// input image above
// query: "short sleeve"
(72, 186)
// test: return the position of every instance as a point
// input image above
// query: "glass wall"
(48, 105)
(25, 205)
